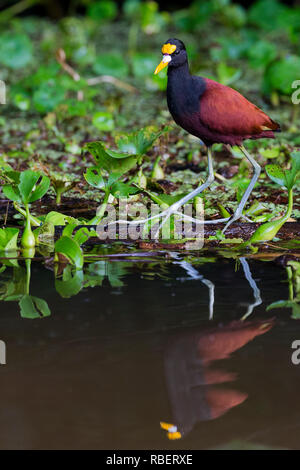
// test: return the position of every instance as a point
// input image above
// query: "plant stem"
(59, 193)
(97, 219)
(132, 37)
(28, 274)
(14, 10)
(290, 281)
(28, 239)
(34, 221)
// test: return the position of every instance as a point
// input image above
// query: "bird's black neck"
(182, 91)
(179, 74)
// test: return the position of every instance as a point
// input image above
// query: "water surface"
(156, 342)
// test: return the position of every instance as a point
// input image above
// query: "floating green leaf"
(71, 250)
(71, 283)
(33, 307)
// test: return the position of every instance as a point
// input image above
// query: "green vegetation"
(287, 179)
(86, 121)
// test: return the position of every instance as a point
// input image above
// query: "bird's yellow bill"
(166, 59)
(166, 426)
(172, 433)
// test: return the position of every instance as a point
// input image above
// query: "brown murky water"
(112, 362)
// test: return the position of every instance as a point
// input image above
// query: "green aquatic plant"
(8, 238)
(17, 289)
(131, 150)
(61, 184)
(111, 185)
(287, 179)
(24, 188)
(157, 171)
(293, 302)
(68, 246)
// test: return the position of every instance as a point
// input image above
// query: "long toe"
(234, 218)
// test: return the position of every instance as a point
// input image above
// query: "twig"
(113, 81)
(220, 177)
(61, 59)
(6, 213)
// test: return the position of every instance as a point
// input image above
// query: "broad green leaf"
(15, 50)
(170, 198)
(296, 311)
(293, 175)
(33, 307)
(261, 53)
(81, 235)
(71, 283)
(120, 189)
(13, 176)
(71, 250)
(111, 63)
(21, 100)
(12, 193)
(227, 74)
(16, 288)
(273, 152)
(56, 218)
(267, 14)
(8, 238)
(280, 75)
(94, 177)
(138, 143)
(102, 10)
(40, 189)
(113, 177)
(28, 180)
(32, 186)
(108, 163)
(69, 229)
(103, 121)
(296, 161)
(144, 64)
(48, 95)
(119, 155)
(280, 304)
(276, 174)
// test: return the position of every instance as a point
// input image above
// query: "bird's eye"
(176, 52)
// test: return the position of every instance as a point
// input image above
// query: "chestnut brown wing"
(225, 111)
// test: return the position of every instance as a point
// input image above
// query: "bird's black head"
(174, 54)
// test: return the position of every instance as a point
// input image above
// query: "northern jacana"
(213, 112)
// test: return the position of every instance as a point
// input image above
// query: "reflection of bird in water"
(191, 383)
(194, 274)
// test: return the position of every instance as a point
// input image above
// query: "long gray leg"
(256, 291)
(174, 207)
(257, 169)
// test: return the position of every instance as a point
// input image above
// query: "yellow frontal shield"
(167, 50)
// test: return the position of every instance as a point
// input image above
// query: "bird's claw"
(232, 219)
